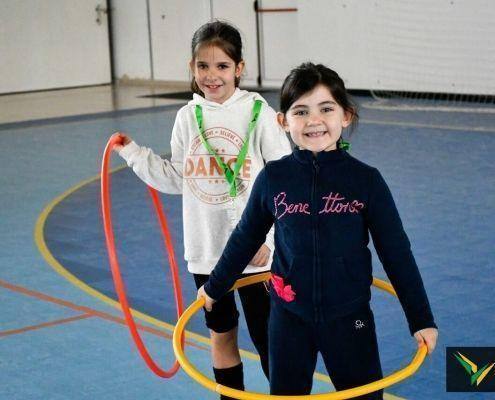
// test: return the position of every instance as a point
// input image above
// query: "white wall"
(421, 45)
(334, 33)
(172, 26)
(52, 44)
(278, 31)
(241, 14)
(131, 49)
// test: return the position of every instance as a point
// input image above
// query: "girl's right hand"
(208, 300)
(124, 140)
(428, 337)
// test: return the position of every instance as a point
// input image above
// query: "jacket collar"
(307, 157)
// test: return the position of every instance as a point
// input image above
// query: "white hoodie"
(209, 214)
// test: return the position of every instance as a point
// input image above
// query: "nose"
(314, 119)
(210, 75)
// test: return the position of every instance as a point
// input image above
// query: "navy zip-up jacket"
(323, 207)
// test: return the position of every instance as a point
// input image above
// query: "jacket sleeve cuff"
(214, 292)
(128, 150)
(421, 323)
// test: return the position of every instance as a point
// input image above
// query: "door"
(279, 38)
(53, 44)
(173, 24)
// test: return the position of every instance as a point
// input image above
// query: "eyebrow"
(333, 103)
(218, 63)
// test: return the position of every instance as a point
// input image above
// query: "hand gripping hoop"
(114, 264)
(239, 394)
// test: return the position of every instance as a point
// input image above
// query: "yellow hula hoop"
(239, 394)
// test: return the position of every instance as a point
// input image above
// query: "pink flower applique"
(283, 291)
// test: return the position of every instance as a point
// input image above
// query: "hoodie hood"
(239, 96)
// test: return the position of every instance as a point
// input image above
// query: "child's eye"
(202, 66)
(300, 112)
(326, 109)
(223, 66)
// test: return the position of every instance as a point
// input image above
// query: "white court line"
(432, 126)
(405, 107)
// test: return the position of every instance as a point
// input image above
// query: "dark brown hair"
(219, 34)
(306, 77)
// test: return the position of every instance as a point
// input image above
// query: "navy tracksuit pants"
(347, 344)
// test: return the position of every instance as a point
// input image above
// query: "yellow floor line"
(52, 261)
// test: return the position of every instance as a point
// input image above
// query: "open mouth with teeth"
(213, 87)
(315, 134)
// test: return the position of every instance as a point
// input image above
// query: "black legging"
(347, 344)
(255, 301)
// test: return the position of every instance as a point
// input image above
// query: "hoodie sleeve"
(274, 145)
(163, 175)
(394, 250)
(274, 141)
(244, 242)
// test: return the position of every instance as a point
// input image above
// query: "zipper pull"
(316, 166)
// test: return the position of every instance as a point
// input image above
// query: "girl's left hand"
(427, 336)
(261, 257)
(208, 300)
(124, 141)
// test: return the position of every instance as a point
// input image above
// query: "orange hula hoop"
(115, 268)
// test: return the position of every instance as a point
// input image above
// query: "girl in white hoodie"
(220, 142)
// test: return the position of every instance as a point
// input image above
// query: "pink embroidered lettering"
(336, 204)
(282, 208)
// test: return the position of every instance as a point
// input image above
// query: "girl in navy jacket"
(323, 203)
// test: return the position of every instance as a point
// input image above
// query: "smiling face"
(215, 73)
(315, 120)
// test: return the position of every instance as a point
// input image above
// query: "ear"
(282, 121)
(191, 66)
(348, 117)
(239, 68)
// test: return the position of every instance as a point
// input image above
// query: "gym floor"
(62, 334)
